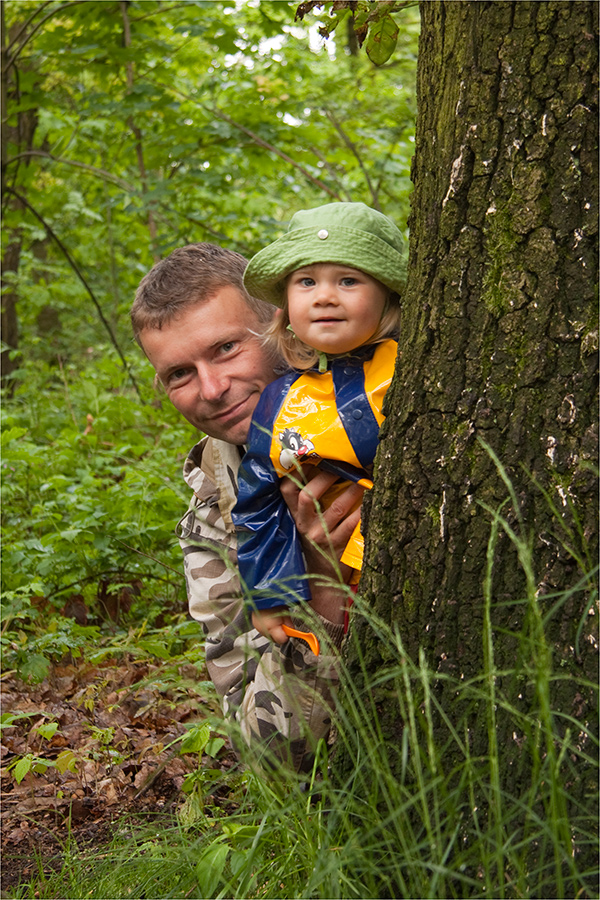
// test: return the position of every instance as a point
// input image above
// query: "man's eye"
(228, 347)
(176, 375)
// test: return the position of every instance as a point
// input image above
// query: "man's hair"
(188, 276)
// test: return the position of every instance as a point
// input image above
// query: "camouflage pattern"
(279, 696)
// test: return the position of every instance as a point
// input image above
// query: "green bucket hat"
(350, 234)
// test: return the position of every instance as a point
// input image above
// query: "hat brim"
(265, 275)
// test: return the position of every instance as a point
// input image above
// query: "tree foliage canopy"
(134, 127)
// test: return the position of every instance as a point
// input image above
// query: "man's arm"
(280, 697)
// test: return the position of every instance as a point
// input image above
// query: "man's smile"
(232, 411)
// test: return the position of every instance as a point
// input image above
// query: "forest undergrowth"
(118, 774)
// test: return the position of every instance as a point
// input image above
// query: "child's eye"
(348, 281)
(306, 281)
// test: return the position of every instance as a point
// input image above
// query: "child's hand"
(269, 622)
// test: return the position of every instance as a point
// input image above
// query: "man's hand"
(269, 622)
(324, 535)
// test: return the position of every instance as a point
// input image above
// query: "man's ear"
(278, 312)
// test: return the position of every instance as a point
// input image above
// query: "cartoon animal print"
(294, 447)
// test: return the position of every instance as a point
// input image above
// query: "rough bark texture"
(498, 341)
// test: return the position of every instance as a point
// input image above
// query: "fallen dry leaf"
(115, 726)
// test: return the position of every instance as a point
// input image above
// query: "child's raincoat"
(330, 419)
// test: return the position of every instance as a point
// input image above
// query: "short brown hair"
(188, 276)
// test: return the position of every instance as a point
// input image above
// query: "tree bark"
(498, 341)
(19, 133)
(9, 320)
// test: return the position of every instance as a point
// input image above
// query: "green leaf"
(189, 782)
(47, 730)
(12, 434)
(22, 768)
(191, 811)
(209, 868)
(382, 40)
(155, 647)
(66, 760)
(34, 667)
(7, 719)
(214, 746)
(196, 740)
(238, 833)
(237, 862)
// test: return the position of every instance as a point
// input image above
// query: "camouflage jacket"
(279, 696)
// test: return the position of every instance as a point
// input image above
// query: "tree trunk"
(9, 321)
(10, 258)
(498, 342)
(18, 134)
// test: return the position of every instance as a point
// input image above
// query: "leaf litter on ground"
(92, 744)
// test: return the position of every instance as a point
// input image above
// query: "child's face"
(334, 308)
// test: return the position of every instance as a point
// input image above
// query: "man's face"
(211, 365)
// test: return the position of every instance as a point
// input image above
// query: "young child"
(337, 276)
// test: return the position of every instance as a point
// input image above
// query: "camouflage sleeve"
(280, 697)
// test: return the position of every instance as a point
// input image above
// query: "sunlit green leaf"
(66, 761)
(196, 739)
(210, 867)
(47, 730)
(381, 40)
(22, 768)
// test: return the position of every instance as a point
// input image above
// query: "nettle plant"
(91, 493)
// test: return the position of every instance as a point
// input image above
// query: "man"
(201, 331)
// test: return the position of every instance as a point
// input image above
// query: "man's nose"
(212, 384)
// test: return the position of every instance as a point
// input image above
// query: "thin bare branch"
(159, 11)
(93, 170)
(262, 143)
(11, 60)
(316, 152)
(194, 221)
(219, 114)
(81, 277)
(123, 574)
(139, 149)
(352, 147)
(119, 182)
(26, 23)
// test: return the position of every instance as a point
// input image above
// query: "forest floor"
(104, 732)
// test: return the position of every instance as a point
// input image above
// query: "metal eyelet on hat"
(322, 234)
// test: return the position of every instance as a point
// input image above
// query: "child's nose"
(326, 293)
